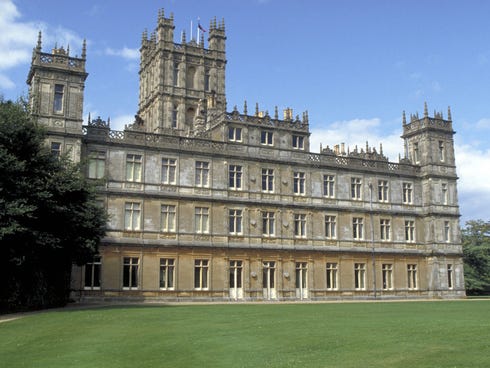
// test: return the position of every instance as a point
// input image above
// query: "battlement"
(437, 122)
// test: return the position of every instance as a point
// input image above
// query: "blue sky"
(355, 65)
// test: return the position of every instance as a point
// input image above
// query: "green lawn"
(408, 334)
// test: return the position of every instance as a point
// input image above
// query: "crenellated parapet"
(436, 122)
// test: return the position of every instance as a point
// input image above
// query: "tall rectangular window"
(96, 165)
(416, 157)
(234, 134)
(201, 220)
(357, 228)
(130, 272)
(268, 223)
(329, 186)
(235, 222)
(268, 180)
(168, 216)
(169, 169)
(201, 274)
(407, 193)
(58, 98)
(299, 183)
(330, 227)
(133, 167)
(300, 225)
(385, 229)
(450, 276)
(175, 116)
(387, 275)
(383, 190)
(332, 274)
(176, 74)
(360, 276)
(412, 276)
(202, 173)
(441, 151)
(447, 232)
(206, 79)
(167, 273)
(298, 142)
(355, 188)
(444, 193)
(266, 137)
(132, 216)
(235, 177)
(410, 231)
(92, 273)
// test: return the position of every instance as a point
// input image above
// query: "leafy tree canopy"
(476, 255)
(49, 215)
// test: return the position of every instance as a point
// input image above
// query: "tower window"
(441, 151)
(175, 114)
(176, 74)
(416, 157)
(58, 98)
(206, 80)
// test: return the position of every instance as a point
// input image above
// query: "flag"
(200, 27)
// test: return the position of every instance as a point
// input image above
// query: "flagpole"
(191, 29)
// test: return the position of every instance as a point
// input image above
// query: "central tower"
(181, 83)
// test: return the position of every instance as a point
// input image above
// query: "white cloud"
(125, 52)
(483, 123)
(6, 82)
(118, 122)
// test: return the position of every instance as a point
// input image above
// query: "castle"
(208, 204)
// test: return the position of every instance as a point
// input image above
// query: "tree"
(49, 216)
(476, 256)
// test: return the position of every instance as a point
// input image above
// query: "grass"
(405, 334)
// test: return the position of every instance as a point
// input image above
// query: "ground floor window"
(167, 273)
(360, 276)
(130, 272)
(332, 272)
(387, 273)
(412, 276)
(450, 276)
(92, 274)
(201, 274)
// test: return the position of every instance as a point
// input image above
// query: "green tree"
(49, 216)
(476, 255)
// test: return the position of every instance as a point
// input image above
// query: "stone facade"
(206, 204)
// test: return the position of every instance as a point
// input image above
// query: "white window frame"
(356, 188)
(332, 269)
(329, 186)
(202, 174)
(298, 142)
(169, 170)
(357, 228)
(444, 193)
(387, 276)
(96, 164)
(268, 223)
(407, 189)
(235, 221)
(330, 226)
(383, 191)
(235, 174)
(235, 134)
(132, 216)
(131, 265)
(134, 167)
(90, 271)
(268, 180)
(300, 225)
(167, 274)
(385, 229)
(266, 138)
(201, 220)
(201, 274)
(58, 98)
(299, 183)
(412, 277)
(168, 218)
(442, 151)
(360, 276)
(447, 232)
(410, 231)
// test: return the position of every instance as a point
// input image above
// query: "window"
(168, 218)
(202, 173)
(330, 226)
(234, 134)
(410, 231)
(300, 225)
(266, 137)
(328, 186)
(383, 190)
(132, 216)
(133, 167)
(412, 276)
(447, 232)
(206, 79)
(56, 149)
(385, 229)
(355, 188)
(441, 151)
(357, 228)
(407, 193)
(298, 142)
(235, 222)
(450, 280)
(387, 274)
(58, 98)
(332, 271)
(202, 220)
(299, 183)
(416, 157)
(268, 180)
(201, 273)
(130, 272)
(444, 193)
(169, 168)
(360, 276)
(236, 268)
(176, 74)
(235, 177)
(175, 115)
(301, 275)
(96, 165)
(167, 273)
(268, 223)
(92, 274)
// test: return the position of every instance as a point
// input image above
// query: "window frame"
(202, 173)
(360, 276)
(383, 191)
(167, 273)
(329, 185)
(267, 137)
(356, 188)
(235, 134)
(332, 274)
(387, 276)
(412, 283)
(358, 228)
(133, 221)
(96, 164)
(410, 231)
(169, 171)
(235, 177)
(298, 142)
(168, 218)
(407, 193)
(134, 167)
(235, 221)
(385, 229)
(331, 226)
(90, 270)
(268, 224)
(201, 220)
(299, 183)
(58, 98)
(201, 274)
(132, 269)
(267, 180)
